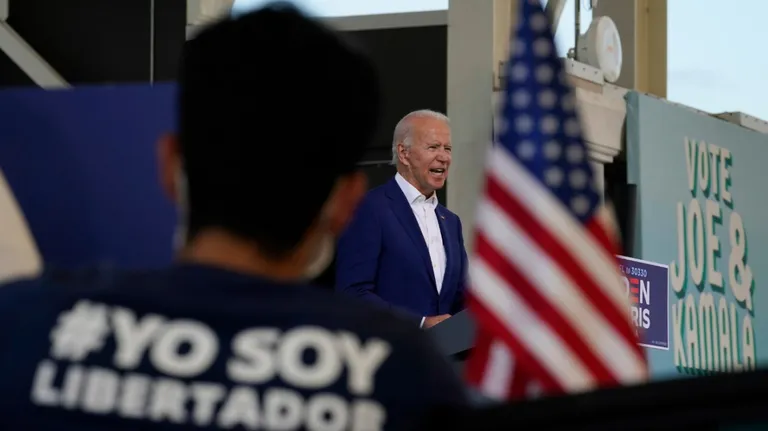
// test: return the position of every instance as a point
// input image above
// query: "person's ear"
(343, 201)
(402, 154)
(169, 166)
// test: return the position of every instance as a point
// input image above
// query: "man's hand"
(434, 320)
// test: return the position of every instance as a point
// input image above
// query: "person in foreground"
(19, 256)
(231, 336)
(404, 250)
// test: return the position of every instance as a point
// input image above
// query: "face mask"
(323, 258)
(180, 233)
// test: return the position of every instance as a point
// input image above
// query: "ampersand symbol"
(736, 267)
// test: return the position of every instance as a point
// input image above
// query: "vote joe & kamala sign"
(701, 206)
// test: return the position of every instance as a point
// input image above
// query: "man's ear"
(401, 154)
(169, 165)
(343, 201)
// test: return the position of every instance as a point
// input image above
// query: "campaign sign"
(647, 287)
(82, 165)
(701, 209)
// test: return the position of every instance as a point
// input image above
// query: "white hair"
(404, 129)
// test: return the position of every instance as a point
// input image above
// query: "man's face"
(429, 157)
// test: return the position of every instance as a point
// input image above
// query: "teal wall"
(703, 199)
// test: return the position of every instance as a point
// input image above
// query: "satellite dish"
(600, 47)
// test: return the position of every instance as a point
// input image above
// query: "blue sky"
(715, 63)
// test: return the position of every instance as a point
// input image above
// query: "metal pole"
(577, 27)
(152, 41)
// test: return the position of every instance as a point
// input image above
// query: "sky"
(713, 51)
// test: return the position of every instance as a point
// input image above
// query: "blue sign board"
(82, 166)
(647, 285)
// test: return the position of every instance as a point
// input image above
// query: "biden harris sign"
(647, 285)
(701, 208)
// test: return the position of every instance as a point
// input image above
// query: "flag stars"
(547, 99)
(523, 124)
(553, 176)
(538, 22)
(552, 150)
(549, 125)
(521, 99)
(526, 150)
(542, 47)
(542, 130)
(544, 74)
(578, 179)
(519, 73)
(580, 205)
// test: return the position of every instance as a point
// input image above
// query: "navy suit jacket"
(383, 258)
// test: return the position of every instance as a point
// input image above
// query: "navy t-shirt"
(200, 347)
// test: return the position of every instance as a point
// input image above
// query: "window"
(340, 8)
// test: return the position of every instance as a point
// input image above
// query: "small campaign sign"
(647, 285)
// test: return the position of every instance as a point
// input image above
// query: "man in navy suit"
(403, 249)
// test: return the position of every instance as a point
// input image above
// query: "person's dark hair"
(273, 109)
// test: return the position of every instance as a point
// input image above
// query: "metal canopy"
(24, 56)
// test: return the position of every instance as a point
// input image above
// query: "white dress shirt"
(424, 209)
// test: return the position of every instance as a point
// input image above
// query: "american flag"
(551, 307)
